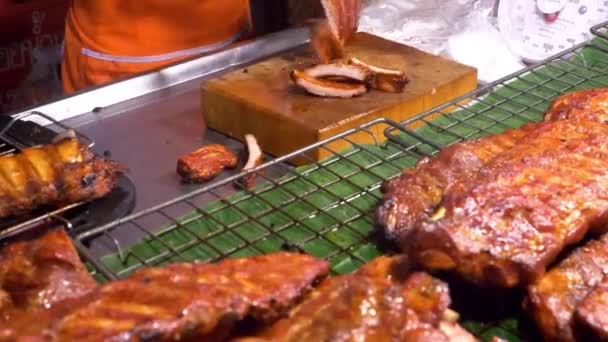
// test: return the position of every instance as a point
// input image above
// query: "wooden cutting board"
(262, 100)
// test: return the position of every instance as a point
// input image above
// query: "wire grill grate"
(326, 209)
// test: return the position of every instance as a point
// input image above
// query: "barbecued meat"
(553, 299)
(583, 104)
(591, 317)
(381, 302)
(326, 45)
(205, 163)
(330, 35)
(343, 17)
(56, 174)
(327, 88)
(387, 80)
(415, 194)
(35, 276)
(522, 208)
(44, 271)
(184, 301)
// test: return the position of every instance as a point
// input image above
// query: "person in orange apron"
(107, 40)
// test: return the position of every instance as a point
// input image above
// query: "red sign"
(30, 50)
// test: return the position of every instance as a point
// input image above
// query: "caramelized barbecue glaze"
(205, 163)
(176, 302)
(591, 317)
(416, 193)
(553, 299)
(56, 174)
(522, 208)
(36, 276)
(383, 301)
(183, 301)
(583, 104)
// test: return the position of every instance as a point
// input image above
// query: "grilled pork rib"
(205, 163)
(57, 174)
(583, 104)
(522, 208)
(553, 299)
(383, 301)
(416, 193)
(36, 276)
(180, 301)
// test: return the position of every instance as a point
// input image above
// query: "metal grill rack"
(23, 131)
(326, 209)
(600, 30)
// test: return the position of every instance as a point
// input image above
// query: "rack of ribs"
(56, 174)
(35, 276)
(415, 194)
(553, 300)
(180, 301)
(522, 208)
(383, 301)
(589, 104)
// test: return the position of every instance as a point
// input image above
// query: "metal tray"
(326, 209)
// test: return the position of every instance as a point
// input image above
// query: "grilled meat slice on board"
(522, 208)
(553, 299)
(383, 301)
(57, 174)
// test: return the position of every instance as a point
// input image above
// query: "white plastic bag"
(463, 30)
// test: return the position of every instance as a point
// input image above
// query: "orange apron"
(107, 40)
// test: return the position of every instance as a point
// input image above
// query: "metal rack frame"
(6, 140)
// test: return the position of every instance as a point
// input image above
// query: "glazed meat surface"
(205, 163)
(522, 208)
(552, 301)
(415, 194)
(184, 301)
(37, 275)
(583, 104)
(57, 174)
(43, 272)
(591, 317)
(331, 35)
(383, 301)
